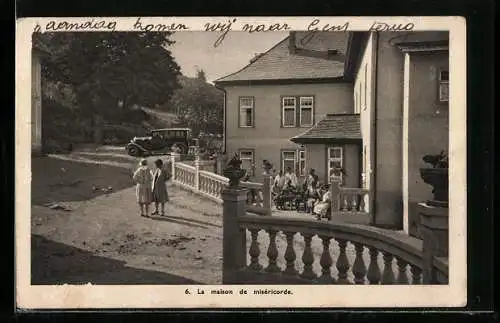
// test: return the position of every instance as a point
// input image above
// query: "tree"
(199, 105)
(106, 68)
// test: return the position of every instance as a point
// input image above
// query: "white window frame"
(301, 153)
(443, 83)
(283, 108)
(338, 159)
(294, 151)
(303, 107)
(243, 124)
(252, 160)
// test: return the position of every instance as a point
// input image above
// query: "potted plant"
(234, 172)
(437, 177)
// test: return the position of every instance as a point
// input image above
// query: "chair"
(301, 201)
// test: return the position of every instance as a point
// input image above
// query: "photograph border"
(480, 123)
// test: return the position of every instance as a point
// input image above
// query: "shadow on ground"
(56, 263)
(56, 180)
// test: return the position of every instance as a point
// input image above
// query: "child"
(160, 194)
(143, 179)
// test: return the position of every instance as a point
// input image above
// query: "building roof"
(335, 127)
(279, 63)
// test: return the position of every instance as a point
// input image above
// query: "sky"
(195, 50)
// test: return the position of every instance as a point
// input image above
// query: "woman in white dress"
(322, 207)
(143, 179)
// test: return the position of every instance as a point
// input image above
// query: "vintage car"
(161, 141)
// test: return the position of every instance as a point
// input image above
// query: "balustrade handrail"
(185, 166)
(354, 190)
(214, 176)
(397, 244)
(251, 185)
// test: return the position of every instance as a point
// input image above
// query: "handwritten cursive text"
(222, 27)
(382, 26)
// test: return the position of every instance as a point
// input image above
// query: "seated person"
(321, 208)
(313, 197)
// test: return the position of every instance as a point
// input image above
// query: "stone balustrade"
(350, 204)
(210, 185)
(287, 250)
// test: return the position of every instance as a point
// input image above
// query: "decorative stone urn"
(437, 177)
(234, 172)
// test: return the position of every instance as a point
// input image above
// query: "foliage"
(437, 161)
(104, 69)
(199, 105)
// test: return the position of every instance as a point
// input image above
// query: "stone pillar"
(197, 171)
(234, 253)
(434, 232)
(174, 157)
(267, 190)
(335, 195)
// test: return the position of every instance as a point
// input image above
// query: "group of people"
(318, 198)
(151, 187)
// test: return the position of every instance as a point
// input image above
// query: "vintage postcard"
(236, 162)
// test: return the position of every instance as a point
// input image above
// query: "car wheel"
(133, 151)
(183, 148)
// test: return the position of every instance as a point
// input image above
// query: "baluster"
(216, 188)
(219, 189)
(342, 263)
(402, 274)
(326, 262)
(254, 250)
(362, 206)
(373, 269)
(416, 274)
(347, 202)
(354, 202)
(290, 255)
(359, 267)
(209, 186)
(308, 258)
(272, 252)
(388, 275)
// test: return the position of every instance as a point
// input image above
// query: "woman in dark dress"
(160, 193)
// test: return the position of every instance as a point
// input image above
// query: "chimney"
(292, 45)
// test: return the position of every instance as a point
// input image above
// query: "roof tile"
(279, 63)
(334, 126)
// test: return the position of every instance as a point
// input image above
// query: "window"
(306, 111)
(288, 114)
(297, 111)
(246, 112)
(335, 161)
(444, 79)
(302, 162)
(288, 159)
(247, 161)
